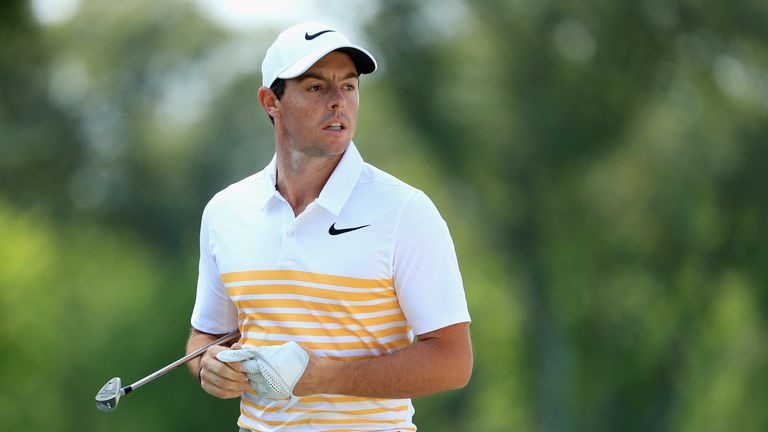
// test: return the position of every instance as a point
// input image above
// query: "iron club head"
(109, 395)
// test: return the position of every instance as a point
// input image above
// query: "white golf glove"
(273, 371)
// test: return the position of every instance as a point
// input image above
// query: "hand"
(219, 379)
(272, 371)
(312, 379)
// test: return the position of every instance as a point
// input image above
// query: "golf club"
(110, 393)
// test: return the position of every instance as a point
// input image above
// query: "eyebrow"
(312, 75)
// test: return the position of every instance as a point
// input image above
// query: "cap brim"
(364, 61)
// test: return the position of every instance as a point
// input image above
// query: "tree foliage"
(600, 165)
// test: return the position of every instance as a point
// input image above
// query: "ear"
(269, 101)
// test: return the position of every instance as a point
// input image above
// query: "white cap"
(296, 49)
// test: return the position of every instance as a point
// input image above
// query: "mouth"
(335, 127)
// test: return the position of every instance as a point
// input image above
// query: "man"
(325, 250)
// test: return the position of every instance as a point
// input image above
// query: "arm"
(213, 310)
(430, 292)
(440, 360)
(223, 380)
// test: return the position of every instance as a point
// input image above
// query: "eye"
(349, 87)
(314, 88)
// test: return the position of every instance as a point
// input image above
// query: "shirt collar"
(341, 182)
(268, 191)
(336, 190)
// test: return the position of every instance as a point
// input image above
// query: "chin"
(327, 149)
(338, 146)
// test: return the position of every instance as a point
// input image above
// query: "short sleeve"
(214, 311)
(426, 272)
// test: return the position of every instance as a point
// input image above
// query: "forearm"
(197, 340)
(438, 361)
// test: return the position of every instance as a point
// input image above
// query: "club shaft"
(180, 362)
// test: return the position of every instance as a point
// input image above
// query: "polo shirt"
(366, 266)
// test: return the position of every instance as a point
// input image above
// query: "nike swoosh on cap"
(308, 36)
(333, 231)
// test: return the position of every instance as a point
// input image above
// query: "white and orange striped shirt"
(365, 267)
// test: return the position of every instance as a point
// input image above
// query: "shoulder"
(239, 194)
(375, 181)
(383, 190)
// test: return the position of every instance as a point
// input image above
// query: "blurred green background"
(601, 164)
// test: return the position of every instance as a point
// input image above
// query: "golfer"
(324, 250)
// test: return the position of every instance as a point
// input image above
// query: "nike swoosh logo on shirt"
(333, 231)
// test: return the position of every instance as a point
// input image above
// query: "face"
(317, 113)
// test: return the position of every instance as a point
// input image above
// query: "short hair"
(278, 88)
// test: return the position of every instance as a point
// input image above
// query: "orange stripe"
(337, 399)
(311, 292)
(333, 345)
(312, 331)
(350, 430)
(320, 411)
(331, 357)
(304, 317)
(320, 421)
(302, 276)
(325, 307)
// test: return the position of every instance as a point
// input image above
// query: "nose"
(336, 99)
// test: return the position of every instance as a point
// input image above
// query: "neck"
(301, 178)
